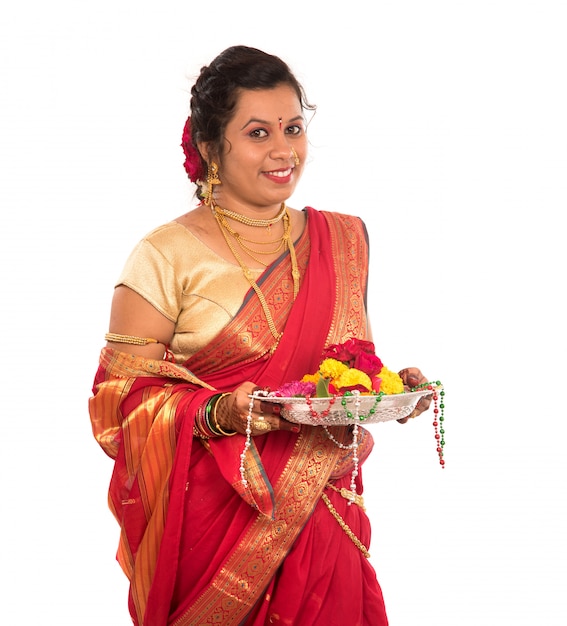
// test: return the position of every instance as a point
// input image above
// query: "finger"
(412, 376)
(261, 426)
(283, 424)
(413, 380)
(422, 405)
(413, 414)
(270, 408)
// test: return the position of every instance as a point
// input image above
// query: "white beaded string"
(247, 444)
(343, 446)
(355, 462)
(352, 446)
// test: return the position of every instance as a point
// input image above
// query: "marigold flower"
(352, 378)
(331, 368)
(391, 382)
(347, 366)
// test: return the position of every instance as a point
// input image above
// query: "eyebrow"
(255, 120)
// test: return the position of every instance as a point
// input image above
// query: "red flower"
(193, 163)
(368, 363)
(356, 353)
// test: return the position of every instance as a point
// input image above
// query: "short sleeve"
(152, 275)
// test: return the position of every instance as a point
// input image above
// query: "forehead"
(267, 104)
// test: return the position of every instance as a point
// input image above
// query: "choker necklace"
(250, 221)
(286, 242)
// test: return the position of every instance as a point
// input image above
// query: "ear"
(204, 151)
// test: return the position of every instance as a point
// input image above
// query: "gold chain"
(248, 274)
(348, 495)
(240, 240)
(345, 526)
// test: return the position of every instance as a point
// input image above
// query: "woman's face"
(258, 169)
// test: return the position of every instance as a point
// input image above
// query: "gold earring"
(212, 179)
(295, 157)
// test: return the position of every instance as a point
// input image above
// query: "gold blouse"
(188, 283)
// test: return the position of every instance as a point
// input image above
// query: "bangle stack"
(206, 422)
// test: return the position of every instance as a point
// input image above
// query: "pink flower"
(296, 388)
(193, 164)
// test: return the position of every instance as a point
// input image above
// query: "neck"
(249, 220)
(247, 206)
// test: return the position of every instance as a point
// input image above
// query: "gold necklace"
(250, 221)
(251, 252)
(248, 274)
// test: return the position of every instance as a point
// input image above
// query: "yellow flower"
(391, 382)
(351, 378)
(310, 378)
(331, 368)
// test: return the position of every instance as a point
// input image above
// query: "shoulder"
(338, 220)
(186, 226)
(333, 215)
(170, 241)
(164, 234)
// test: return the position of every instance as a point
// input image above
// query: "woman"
(240, 293)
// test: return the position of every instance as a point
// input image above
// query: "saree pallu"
(198, 546)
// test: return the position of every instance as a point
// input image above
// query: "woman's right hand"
(232, 412)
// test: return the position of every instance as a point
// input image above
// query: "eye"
(296, 129)
(258, 133)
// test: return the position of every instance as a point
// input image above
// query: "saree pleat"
(198, 546)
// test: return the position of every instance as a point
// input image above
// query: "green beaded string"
(438, 416)
(438, 412)
(360, 416)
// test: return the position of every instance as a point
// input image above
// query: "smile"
(280, 173)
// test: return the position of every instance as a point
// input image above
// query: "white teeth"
(281, 174)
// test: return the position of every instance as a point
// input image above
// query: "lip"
(281, 177)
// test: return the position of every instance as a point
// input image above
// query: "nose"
(281, 147)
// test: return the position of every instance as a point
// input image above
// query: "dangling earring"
(212, 179)
(295, 157)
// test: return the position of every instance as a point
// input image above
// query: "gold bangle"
(135, 341)
(215, 420)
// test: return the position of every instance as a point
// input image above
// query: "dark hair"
(215, 92)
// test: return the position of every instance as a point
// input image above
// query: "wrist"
(215, 416)
(206, 424)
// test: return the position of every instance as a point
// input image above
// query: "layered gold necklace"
(235, 240)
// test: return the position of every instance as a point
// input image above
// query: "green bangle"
(207, 415)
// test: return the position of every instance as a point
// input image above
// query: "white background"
(443, 125)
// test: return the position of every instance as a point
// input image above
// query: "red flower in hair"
(193, 165)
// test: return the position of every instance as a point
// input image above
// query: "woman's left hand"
(412, 377)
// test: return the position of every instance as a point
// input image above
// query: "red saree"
(197, 546)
